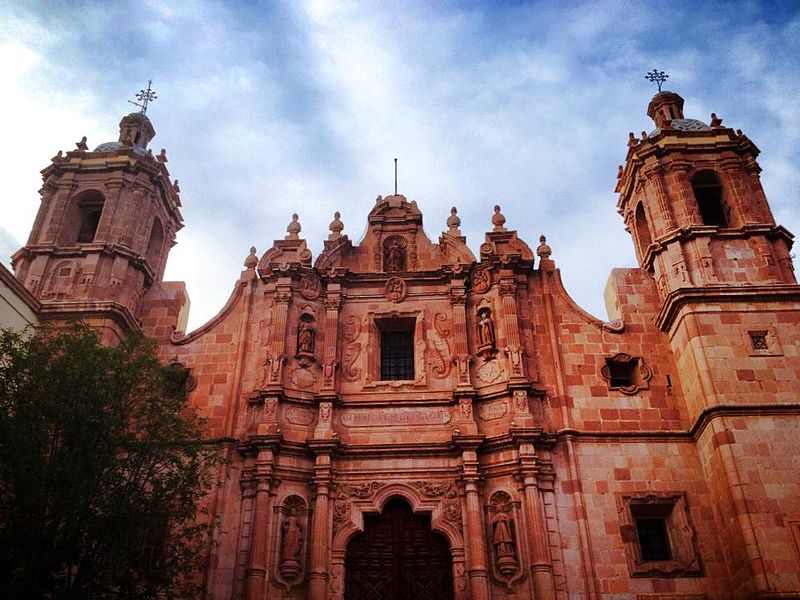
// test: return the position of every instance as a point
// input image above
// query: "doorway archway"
(398, 557)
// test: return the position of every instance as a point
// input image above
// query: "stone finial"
(162, 156)
(498, 220)
(177, 186)
(715, 120)
(251, 261)
(620, 171)
(543, 251)
(454, 222)
(336, 227)
(293, 228)
(82, 145)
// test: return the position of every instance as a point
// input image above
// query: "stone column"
(685, 194)
(333, 302)
(461, 356)
(256, 571)
(666, 223)
(540, 562)
(475, 533)
(320, 522)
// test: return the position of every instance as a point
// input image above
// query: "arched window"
(642, 229)
(708, 194)
(155, 244)
(89, 211)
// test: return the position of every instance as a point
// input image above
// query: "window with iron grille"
(397, 350)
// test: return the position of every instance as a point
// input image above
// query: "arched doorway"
(398, 557)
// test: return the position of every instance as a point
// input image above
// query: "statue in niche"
(394, 254)
(506, 561)
(485, 330)
(305, 337)
(291, 544)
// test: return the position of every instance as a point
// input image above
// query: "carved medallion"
(395, 289)
(490, 371)
(481, 280)
(303, 378)
(310, 287)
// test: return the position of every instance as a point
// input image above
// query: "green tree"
(103, 469)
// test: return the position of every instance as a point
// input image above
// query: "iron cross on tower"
(657, 77)
(145, 97)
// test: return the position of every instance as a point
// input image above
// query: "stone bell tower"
(729, 303)
(101, 238)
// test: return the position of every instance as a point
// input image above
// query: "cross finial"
(657, 77)
(145, 97)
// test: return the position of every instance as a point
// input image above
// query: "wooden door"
(398, 557)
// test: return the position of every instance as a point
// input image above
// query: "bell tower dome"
(101, 238)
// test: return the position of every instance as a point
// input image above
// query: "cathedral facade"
(405, 419)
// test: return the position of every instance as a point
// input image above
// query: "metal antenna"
(395, 177)
(145, 97)
(657, 77)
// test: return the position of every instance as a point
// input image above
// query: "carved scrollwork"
(352, 348)
(439, 359)
(344, 496)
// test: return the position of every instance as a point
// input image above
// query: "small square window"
(658, 536)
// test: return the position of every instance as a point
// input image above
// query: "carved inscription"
(299, 416)
(399, 416)
(490, 412)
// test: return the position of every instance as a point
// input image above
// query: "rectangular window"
(658, 536)
(397, 351)
(653, 539)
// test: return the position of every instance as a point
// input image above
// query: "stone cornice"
(676, 299)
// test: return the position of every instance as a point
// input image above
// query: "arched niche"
(709, 195)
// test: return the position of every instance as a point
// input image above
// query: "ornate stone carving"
(626, 373)
(439, 359)
(352, 348)
(466, 408)
(490, 371)
(521, 401)
(395, 289)
(481, 280)
(302, 377)
(310, 287)
(344, 496)
(451, 506)
(429, 488)
(503, 534)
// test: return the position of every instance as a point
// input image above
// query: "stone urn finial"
(293, 228)
(543, 250)
(454, 222)
(251, 261)
(498, 220)
(336, 227)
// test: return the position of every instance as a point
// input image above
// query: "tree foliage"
(102, 470)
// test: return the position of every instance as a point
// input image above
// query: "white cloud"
(279, 108)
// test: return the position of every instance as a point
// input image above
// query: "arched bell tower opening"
(708, 194)
(398, 557)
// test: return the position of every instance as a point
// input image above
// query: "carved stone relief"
(395, 254)
(310, 287)
(481, 280)
(485, 333)
(352, 348)
(395, 289)
(439, 359)
(344, 496)
(489, 371)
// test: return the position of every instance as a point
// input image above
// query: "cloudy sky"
(267, 108)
